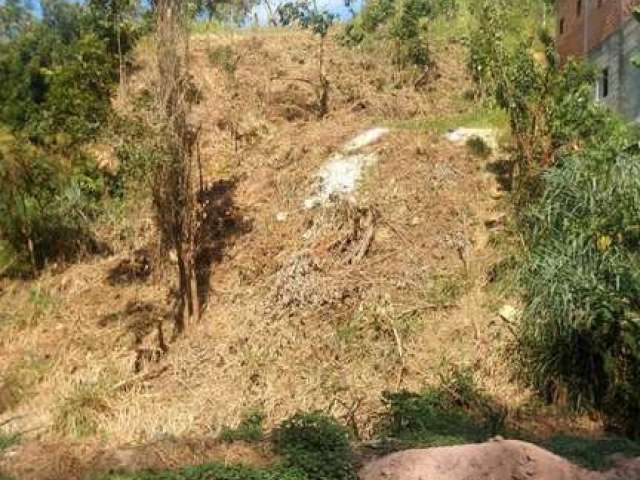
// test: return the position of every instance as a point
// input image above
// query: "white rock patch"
(365, 138)
(343, 170)
(462, 135)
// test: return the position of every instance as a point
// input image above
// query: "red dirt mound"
(495, 460)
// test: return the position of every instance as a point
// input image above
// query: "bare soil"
(495, 460)
(296, 318)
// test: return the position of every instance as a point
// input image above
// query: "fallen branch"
(11, 419)
(130, 382)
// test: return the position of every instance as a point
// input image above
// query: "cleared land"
(307, 309)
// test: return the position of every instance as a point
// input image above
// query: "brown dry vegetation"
(414, 304)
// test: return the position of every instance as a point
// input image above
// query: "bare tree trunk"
(175, 185)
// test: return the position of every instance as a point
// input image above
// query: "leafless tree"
(177, 178)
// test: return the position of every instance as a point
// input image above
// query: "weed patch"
(249, 429)
(214, 471)
(77, 415)
(316, 445)
(7, 440)
(20, 380)
(444, 290)
(593, 453)
(454, 413)
(225, 58)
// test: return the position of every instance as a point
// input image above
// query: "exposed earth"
(495, 460)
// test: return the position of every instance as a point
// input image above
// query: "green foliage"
(214, 471)
(478, 147)
(454, 413)
(235, 11)
(7, 440)
(581, 330)
(580, 334)
(307, 15)
(249, 429)
(404, 23)
(57, 77)
(57, 71)
(317, 445)
(549, 108)
(592, 453)
(45, 204)
(225, 58)
(14, 18)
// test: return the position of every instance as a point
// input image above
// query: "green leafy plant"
(249, 429)
(316, 445)
(403, 23)
(45, 205)
(455, 412)
(309, 16)
(8, 440)
(580, 336)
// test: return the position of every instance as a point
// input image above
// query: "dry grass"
(415, 302)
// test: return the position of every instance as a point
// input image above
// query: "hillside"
(388, 288)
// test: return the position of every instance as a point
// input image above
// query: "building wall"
(598, 20)
(570, 42)
(608, 36)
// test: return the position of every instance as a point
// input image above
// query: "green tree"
(15, 16)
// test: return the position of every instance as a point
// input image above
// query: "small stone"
(496, 194)
(282, 216)
(509, 313)
(495, 222)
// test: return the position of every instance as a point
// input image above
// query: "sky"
(336, 7)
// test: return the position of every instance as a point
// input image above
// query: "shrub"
(404, 23)
(316, 445)
(453, 413)
(581, 328)
(249, 429)
(478, 147)
(45, 205)
(225, 58)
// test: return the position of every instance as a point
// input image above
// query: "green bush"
(249, 429)
(403, 22)
(316, 445)
(455, 412)
(57, 78)
(45, 204)
(581, 329)
(579, 194)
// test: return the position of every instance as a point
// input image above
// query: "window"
(561, 26)
(605, 83)
(602, 87)
(579, 8)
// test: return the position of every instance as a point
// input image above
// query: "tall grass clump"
(580, 335)
(577, 192)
